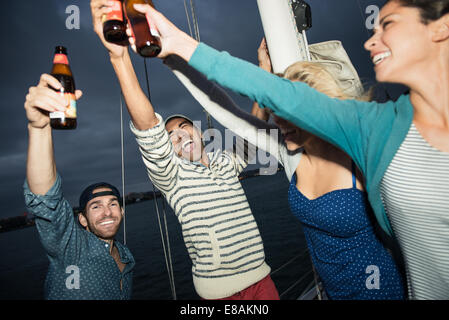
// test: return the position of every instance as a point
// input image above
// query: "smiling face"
(401, 46)
(102, 215)
(186, 139)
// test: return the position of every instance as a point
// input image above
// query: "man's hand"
(41, 100)
(100, 8)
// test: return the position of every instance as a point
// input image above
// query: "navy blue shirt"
(81, 266)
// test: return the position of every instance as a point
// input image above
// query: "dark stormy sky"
(91, 153)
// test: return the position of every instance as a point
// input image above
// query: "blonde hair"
(316, 76)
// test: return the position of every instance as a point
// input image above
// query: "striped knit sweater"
(218, 227)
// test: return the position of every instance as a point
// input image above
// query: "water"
(23, 263)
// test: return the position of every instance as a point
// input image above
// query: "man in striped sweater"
(219, 230)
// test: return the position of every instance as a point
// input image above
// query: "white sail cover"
(285, 44)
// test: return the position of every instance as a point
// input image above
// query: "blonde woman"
(326, 194)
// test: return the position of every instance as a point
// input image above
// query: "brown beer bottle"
(148, 43)
(61, 71)
(114, 25)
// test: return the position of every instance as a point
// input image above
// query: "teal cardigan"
(369, 132)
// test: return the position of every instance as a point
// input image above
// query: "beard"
(104, 233)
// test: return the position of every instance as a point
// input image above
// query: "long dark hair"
(430, 10)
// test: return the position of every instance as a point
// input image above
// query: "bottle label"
(61, 58)
(70, 112)
(115, 14)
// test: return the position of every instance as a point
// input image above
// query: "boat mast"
(284, 23)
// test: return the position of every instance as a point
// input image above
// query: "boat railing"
(312, 291)
(302, 254)
(297, 282)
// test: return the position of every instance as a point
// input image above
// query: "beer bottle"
(61, 71)
(114, 26)
(148, 43)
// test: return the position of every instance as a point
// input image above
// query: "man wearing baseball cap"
(79, 248)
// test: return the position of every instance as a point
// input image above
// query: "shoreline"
(24, 221)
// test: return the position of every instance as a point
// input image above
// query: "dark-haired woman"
(401, 147)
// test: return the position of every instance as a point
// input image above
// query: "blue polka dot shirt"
(350, 260)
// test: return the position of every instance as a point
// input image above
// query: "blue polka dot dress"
(348, 257)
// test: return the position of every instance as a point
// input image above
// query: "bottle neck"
(61, 65)
(60, 58)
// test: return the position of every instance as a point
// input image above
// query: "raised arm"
(265, 63)
(41, 99)
(43, 192)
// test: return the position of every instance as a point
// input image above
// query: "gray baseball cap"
(178, 116)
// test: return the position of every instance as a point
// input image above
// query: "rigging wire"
(168, 262)
(166, 241)
(195, 21)
(362, 15)
(194, 30)
(170, 271)
(123, 168)
(188, 18)
(317, 283)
